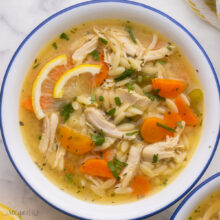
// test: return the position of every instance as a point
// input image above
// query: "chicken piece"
(96, 118)
(159, 53)
(129, 171)
(163, 149)
(59, 158)
(45, 137)
(90, 44)
(53, 127)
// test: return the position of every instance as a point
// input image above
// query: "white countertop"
(17, 19)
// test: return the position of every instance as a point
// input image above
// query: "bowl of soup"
(114, 108)
(203, 202)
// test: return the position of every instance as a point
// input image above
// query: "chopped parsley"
(101, 98)
(35, 66)
(111, 112)
(130, 87)
(67, 110)
(125, 74)
(155, 158)
(101, 154)
(179, 123)
(69, 177)
(104, 41)
(117, 101)
(166, 127)
(54, 45)
(165, 182)
(74, 98)
(93, 98)
(128, 29)
(95, 54)
(21, 123)
(162, 62)
(116, 166)
(39, 137)
(154, 95)
(132, 133)
(98, 138)
(169, 48)
(64, 36)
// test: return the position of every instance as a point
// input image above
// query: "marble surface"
(17, 19)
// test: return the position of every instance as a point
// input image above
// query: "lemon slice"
(76, 71)
(36, 89)
(8, 214)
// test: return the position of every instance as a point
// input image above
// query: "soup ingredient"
(64, 36)
(7, 213)
(168, 88)
(116, 166)
(96, 167)
(41, 77)
(108, 155)
(128, 28)
(96, 118)
(196, 97)
(66, 111)
(150, 130)
(166, 127)
(117, 101)
(127, 73)
(99, 138)
(27, 104)
(186, 113)
(95, 55)
(76, 71)
(140, 185)
(73, 141)
(104, 41)
(100, 78)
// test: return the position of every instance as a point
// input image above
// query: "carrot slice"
(171, 119)
(100, 78)
(27, 104)
(74, 142)
(168, 88)
(96, 167)
(186, 113)
(140, 185)
(151, 132)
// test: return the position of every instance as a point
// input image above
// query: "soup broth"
(111, 111)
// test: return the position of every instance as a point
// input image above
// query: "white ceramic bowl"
(195, 197)
(20, 64)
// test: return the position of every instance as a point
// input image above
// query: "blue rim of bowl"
(201, 185)
(97, 2)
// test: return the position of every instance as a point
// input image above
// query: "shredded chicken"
(97, 119)
(90, 43)
(159, 53)
(59, 161)
(133, 162)
(164, 149)
(45, 137)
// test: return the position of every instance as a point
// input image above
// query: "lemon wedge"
(76, 71)
(8, 214)
(36, 89)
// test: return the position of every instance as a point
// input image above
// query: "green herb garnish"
(111, 112)
(116, 166)
(54, 45)
(93, 98)
(155, 158)
(74, 98)
(98, 138)
(35, 66)
(179, 123)
(131, 133)
(69, 177)
(130, 87)
(128, 28)
(39, 138)
(101, 154)
(117, 101)
(169, 48)
(166, 127)
(64, 36)
(67, 110)
(101, 98)
(95, 54)
(125, 74)
(104, 41)
(165, 182)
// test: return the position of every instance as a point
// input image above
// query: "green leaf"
(128, 28)
(69, 177)
(125, 74)
(169, 48)
(130, 87)
(64, 36)
(66, 111)
(104, 41)
(117, 101)
(54, 45)
(179, 123)
(98, 138)
(131, 133)
(95, 54)
(35, 66)
(93, 98)
(166, 127)
(111, 112)
(116, 166)
(165, 182)
(155, 158)
(101, 98)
